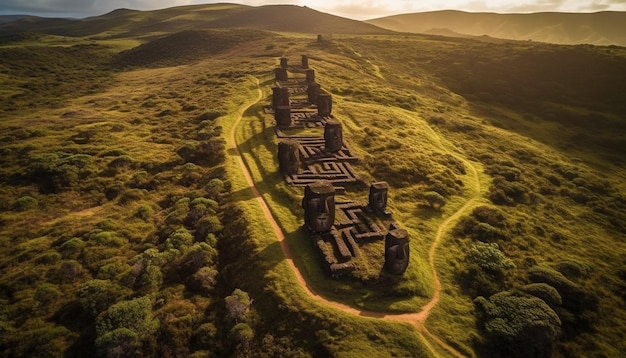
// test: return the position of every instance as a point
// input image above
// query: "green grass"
(101, 176)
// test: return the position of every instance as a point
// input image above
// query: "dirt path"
(416, 319)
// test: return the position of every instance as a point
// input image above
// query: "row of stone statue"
(319, 197)
(319, 216)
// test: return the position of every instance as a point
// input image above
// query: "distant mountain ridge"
(125, 22)
(600, 28)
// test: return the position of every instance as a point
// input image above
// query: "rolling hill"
(601, 28)
(134, 23)
(127, 229)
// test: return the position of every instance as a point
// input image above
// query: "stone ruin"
(323, 166)
(289, 157)
(319, 207)
(397, 251)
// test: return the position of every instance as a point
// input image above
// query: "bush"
(519, 325)
(25, 203)
(72, 248)
(96, 296)
(544, 291)
(238, 305)
(125, 322)
(434, 199)
(488, 257)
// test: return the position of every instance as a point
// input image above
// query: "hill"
(601, 28)
(133, 23)
(128, 232)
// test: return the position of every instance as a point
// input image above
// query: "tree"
(238, 305)
(519, 325)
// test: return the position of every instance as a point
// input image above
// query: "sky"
(360, 10)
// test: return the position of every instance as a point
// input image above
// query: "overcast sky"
(364, 9)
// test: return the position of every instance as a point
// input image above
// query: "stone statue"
(397, 251)
(310, 76)
(280, 74)
(280, 96)
(324, 104)
(305, 61)
(378, 197)
(313, 91)
(319, 206)
(282, 116)
(289, 156)
(283, 62)
(333, 136)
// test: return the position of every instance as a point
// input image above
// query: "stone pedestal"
(324, 104)
(289, 156)
(282, 116)
(319, 206)
(333, 136)
(397, 251)
(280, 97)
(283, 62)
(305, 62)
(280, 74)
(313, 91)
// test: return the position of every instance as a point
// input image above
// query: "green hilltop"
(128, 227)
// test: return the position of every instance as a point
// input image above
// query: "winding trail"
(416, 319)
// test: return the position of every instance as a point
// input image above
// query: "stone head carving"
(289, 156)
(310, 76)
(324, 104)
(319, 206)
(280, 74)
(397, 251)
(305, 61)
(280, 96)
(313, 91)
(282, 116)
(378, 197)
(283, 62)
(333, 136)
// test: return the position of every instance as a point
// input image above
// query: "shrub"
(238, 305)
(434, 199)
(25, 203)
(575, 298)
(544, 291)
(519, 325)
(124, 323)
(96, 296)
(180, 239)
(488, 257)
(72, 248)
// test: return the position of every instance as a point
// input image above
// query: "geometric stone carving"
(289, 156)
(281, 74)
(313, 91)
(310, 76)
(378, 198)
(319, 206)
(397, 251)
(333, 136)
(283, 62)
(282, 116)
(280, 96)
(324, 104)
(305, 62)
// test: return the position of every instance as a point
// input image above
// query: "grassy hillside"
(137, 24)
(128, 229)
(601, 28)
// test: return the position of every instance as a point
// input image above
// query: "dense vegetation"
(127, 231)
